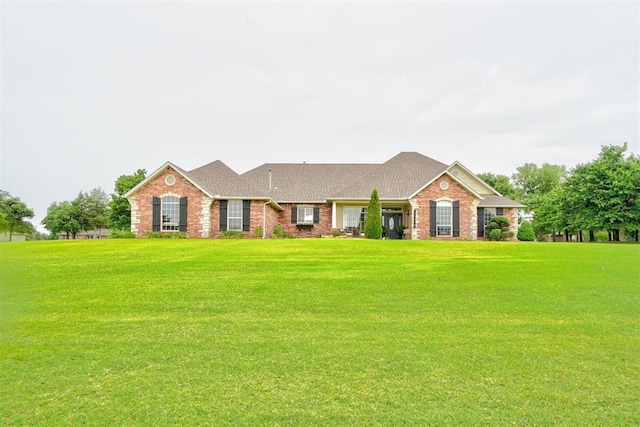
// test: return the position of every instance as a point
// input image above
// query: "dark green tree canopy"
(502, 184)
(601, 195)
(533, 182)
(120, 211)
(62, 218)
(13, 214)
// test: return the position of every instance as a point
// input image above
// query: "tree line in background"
(598, 198)
(14, 214)
(91, 212)
(94, 211)
(602, 196)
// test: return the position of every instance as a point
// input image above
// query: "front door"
(390, 222)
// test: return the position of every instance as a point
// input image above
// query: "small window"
(444, 185)
(455, 173)
(305, 215)
(489, 213)
(444, 218)
(234, 215)
(170, 213)
(415, 218)
(170, 180)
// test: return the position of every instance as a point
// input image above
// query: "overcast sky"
(95, 90)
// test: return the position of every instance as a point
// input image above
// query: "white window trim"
(229, 217)
(305, 216)
(176, 225)
(344, 216)
(444, 203)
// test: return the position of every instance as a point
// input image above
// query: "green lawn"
(319, 332)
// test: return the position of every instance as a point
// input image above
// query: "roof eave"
(475, 176)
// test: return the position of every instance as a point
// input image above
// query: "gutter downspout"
(264, 219)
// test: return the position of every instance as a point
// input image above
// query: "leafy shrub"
(278, 231)
(498, 228)
(159, 235)
(258, 232)
(231, 234)
(495, 234)
(525, 232)
(602, 236)
(289, 236)
(121, 234)
(336, 233)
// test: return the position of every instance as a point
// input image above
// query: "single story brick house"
(420, 198)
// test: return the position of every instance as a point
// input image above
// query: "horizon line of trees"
(94, 211)
(91, 211)
(600, 196)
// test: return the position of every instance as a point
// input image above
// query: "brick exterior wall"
(256, 219)
(142, 203)
(323, 227)
(203, 213)
(468, 209)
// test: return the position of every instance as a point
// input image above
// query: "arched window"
(170, 213)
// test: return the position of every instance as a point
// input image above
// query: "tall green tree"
(501, 183)
(119, 217)
(550, 216)
(91, 209)
(62, 218)
(533, 182)
(605, 194)
(14, 213)
(373, 222)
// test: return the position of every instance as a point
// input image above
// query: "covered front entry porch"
(349, 217)
(393, 222)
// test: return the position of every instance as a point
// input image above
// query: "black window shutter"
(432, 217)
(316, 215)
(156, 214)
(499, 211)
(480, 222)
(223, 215)
(183, 214)
(246, 215)
(456, 218)
(294, 215)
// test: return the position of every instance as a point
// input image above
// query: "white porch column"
(414, 208)
(334, 211)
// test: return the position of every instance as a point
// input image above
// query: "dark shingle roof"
(493, 200)
(398, 178)
(220, 180)
(305, 182)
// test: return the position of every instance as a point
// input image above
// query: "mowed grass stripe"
(322, 331)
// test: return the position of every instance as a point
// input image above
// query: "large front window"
(444, 218)
(305, 215)
(170, 213)
(353, 217)
(235, 215)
